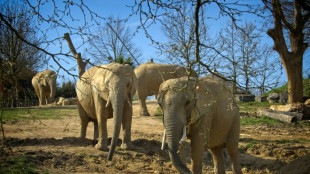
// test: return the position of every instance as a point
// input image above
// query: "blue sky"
(117, 8)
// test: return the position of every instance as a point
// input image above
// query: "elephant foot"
(127, 146)
(101, 147)
(145, 114)
(82, 136)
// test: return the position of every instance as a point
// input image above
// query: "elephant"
(44, 84)
(150, 75)
(105, 92)
(203, 110)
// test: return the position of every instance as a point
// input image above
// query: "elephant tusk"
(129, 103)
(108, 103)
(184, 135)
(163, 141)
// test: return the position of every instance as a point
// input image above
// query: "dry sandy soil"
(53, 146)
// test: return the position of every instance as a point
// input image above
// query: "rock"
(283, 97)
(261, 98)
(67, 101)
(273, 98)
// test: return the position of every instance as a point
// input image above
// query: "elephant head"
(177, 99)
(48, 79)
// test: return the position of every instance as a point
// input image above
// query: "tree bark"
(291, 59)
(81, 64)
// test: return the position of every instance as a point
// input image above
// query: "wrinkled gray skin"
(104, 92)
(44, 84)
(207, 108)
(151, 75)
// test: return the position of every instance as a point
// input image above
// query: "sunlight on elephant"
(204, 110)
(104, 92)
(151, 75)
(44, 84)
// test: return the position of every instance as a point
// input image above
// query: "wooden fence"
(19, 103)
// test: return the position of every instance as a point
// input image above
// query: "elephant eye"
(187, 102)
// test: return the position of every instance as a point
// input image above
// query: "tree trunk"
(295, 81)
(287, 117)
(291, 59)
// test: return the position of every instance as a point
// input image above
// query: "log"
(287, 117)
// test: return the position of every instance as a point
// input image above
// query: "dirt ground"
(53, 146)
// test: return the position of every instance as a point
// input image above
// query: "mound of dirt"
(300, 165)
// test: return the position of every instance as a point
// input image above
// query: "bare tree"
(113, 41)
(179, 46)
(290, 17)
(268, 70)
(248, 46)
(18, 61)
(229, 63)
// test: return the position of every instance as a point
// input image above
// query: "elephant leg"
(102, 124)
(126, 124)
(218, 160)
(143, 108)
(234, 157)
(84, 120)
(95, 129)
(197, 146)
(233, 151)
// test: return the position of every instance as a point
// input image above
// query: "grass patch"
(258, 121)
(30, 114)
(159, 113)
(246, 147)
(284, 141)
(253, 106)
(19, 164)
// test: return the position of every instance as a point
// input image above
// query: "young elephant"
(205, 109)
(151, 75)
(104, 92)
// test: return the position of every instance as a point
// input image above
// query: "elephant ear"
(204, 102)
(134, 84)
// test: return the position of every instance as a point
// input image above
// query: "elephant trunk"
(117, 102)
(174, 132)
(52, 85)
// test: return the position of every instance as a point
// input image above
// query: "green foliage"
(246, 147)
(286, 141)
(66, 90)
(122, 60)
(159, 113)
(250, 144)
(306, 89)
(19, 164)
(33, 114)
(258, 121)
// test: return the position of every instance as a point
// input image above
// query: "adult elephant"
(104, 92)
(150, 75)
(204, 110)
(44, 84)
